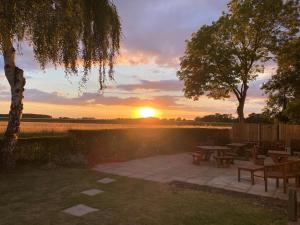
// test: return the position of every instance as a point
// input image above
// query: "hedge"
(116, 144)
(44, 149)
(124, 144)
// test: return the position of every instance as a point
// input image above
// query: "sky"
(153, 39)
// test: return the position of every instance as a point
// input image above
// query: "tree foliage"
(64, 32)
(217, 117)
(221, 59)
(258, 118)
(283, 88)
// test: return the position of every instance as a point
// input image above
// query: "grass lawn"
(32, 196)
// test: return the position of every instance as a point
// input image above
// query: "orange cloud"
(139, 57)
(127, 57)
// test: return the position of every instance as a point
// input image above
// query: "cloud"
(3, 87)
(153, 30)
(58, 98)
(158, 29)
(163, 85)
(172, 105)
(130, 58)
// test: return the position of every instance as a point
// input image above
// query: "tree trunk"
(16, 80)
(240, 109)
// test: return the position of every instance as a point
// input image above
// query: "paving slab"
(92, 192)
(179, 167)
(79, 210)
(106, 180)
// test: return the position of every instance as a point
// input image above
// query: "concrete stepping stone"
(106, 180)
(79, 210)
(92, 192)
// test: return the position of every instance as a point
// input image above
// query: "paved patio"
(179, 167)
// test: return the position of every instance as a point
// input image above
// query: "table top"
(212, 147)
(294, 158)
(250, 167)
(236, 144)
(278, 152)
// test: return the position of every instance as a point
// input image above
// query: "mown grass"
(37, 196)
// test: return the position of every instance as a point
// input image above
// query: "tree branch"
(237, 93)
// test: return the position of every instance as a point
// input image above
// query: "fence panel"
(265, 132)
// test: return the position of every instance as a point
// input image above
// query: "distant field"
(47, 127)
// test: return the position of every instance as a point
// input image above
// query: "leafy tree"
(62, 32)
(258, 118)
(221, 59)
(293, 111)
(283, 88)
(217, 117)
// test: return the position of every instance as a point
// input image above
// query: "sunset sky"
(154, 34)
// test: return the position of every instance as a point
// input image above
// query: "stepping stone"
(79, 210)
(92, 192)
(106, 180)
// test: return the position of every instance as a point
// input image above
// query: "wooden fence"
(265, 132)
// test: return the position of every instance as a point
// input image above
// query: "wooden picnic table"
(208, 150)
(237, 145)
(239, 148)
(212, 147)
(279, 156)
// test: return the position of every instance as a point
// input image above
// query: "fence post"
(292, 205)
(278, 138)
(259, 133)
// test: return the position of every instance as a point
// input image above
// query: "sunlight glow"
(147, 112)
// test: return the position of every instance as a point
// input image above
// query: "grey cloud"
(163, 85)
(255, 89)
(35, 95)
(161, 27)
(154, 27)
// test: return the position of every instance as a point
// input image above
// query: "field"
(56, 127)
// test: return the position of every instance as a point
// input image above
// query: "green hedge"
(124, 144)
(44, 149)
(116, 144)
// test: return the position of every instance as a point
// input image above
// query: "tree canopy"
(283, 88)
(71, 33)
(217, 117)
(221, 59)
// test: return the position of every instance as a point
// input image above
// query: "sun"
(147, 112)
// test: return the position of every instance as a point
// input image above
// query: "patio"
(179, 167)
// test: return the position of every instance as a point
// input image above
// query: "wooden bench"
(257, 155)
(295, 147)
(224, 161)
(284, 171)
(249, 168)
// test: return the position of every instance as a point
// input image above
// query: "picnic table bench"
(222, 154)
(224, 161)
(278, 156)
